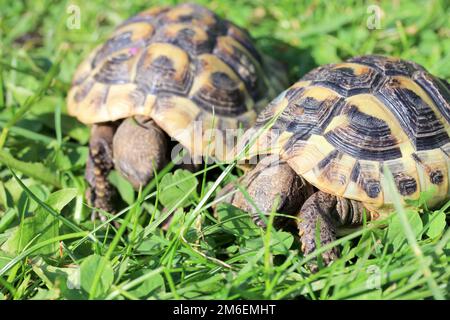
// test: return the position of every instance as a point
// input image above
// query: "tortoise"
(326, 142)
(159, 76)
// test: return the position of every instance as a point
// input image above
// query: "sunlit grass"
(49, 247)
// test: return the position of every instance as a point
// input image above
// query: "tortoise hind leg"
(331, 212)
(99, 165)
(140, 149)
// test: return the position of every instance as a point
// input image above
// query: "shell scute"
(346, 78)
(343, 125)
(416, 113)
(217, 88)
(243, 64)
(190, 38)
(167, 55)
(164, 68)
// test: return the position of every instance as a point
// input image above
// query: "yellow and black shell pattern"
(180, 65)
(342, 124)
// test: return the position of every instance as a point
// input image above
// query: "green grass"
(49, 248)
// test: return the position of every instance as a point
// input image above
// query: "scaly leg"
(270, 180)
(331, 212)
(140, 149)
(99, 165)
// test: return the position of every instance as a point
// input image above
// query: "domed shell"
(184, 66)
(342, 124)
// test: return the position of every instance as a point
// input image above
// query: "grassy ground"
(49, 248)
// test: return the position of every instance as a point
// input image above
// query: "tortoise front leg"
(330, 212)
(99, 165)
(140, 149)
(271, 180)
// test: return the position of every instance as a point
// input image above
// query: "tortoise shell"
(179, 65)
(341, 124)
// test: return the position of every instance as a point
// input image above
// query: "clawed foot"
(316, 217)
(308, 246)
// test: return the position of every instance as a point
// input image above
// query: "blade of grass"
(2, 88)
(49, 209)
(35, 170)
(193, 287)
(38, 246)
(107, 256)
(58, 125)
(133, 283)
(410, 236)
(29, 103)
(268, 263)
(171, 284)
(34, 136)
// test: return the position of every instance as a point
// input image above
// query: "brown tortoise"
(159, 73)
(330, 136)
